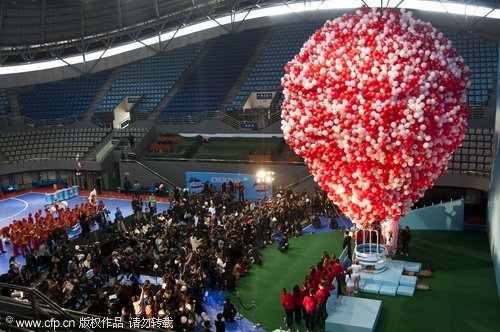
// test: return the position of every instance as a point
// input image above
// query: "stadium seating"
(151, 79)
(482, 58)
(52, 144)
(61, 99)
(214, 76)
(3, 102)
(475, 155)
(286, 41)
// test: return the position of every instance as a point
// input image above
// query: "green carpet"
(463, 294)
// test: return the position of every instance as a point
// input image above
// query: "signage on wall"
(195, 182)
(264, 95)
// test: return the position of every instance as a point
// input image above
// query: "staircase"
(246, 71)
(13, 100)
(151, 171)
(89, 113)
(180, 82)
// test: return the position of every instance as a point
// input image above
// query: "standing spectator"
(119, 221)
(347, 243)
(126, 186)
(298, 298)
(152, 204)
(322, 295)
(114, 268)
(137, 187)
(389, 243)
(406, 237)
(241, 192)
(310, 305)
(350, 281)
(223, 189)
(131, 140)
(339, 274)
(356, 273)
(288, 304)
(98, 185)
(231, 190)
(137, 207)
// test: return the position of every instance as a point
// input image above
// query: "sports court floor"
(19, 206)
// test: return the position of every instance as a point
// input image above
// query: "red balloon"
(374, 105)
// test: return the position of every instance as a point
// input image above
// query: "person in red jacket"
(289, 304)
(298, 298)
(322, 295)
(339, 274)
(310, 304)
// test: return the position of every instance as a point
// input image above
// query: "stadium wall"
(448, 216)
(493, 215)
(176, 172)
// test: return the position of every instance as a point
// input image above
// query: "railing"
(37, 308)
(158, 175)
(49, 309)
(13, 120)
(224, 117)
(139, 115)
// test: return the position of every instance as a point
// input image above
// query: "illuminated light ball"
(375, 104)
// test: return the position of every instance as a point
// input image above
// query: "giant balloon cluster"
(375, 104)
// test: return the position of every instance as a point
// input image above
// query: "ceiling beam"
(82, 20)
(2, 8)
(119, 10)
(42, 28)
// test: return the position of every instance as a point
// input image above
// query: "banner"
(195, 182)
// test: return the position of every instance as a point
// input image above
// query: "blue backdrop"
(253, 190)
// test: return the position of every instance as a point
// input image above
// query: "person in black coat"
(229, 311)
(347, 243)
(406, 237)
(220, 325)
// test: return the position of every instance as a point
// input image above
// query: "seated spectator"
(283, 244)
(229, 311)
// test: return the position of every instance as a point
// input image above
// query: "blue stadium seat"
(206, 88)
(150, 78)
(61, 99)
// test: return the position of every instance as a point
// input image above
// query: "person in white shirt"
(221, 264)
(349, 281)
(211, 210)
(389, 244)
(138, 303)
(356, 273)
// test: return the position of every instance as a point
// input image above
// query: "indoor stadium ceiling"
(37, 30)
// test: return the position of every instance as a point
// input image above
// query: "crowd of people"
(162, 264)
(308, 301)
(46, 226)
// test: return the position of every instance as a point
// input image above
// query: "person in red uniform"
(5, 234)
(339, 274)
(1, 247)
(322, 295)
(310, 303)
(298, 298)
(289, 305)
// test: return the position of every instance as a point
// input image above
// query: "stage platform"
(391, 282)
(352, 314)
